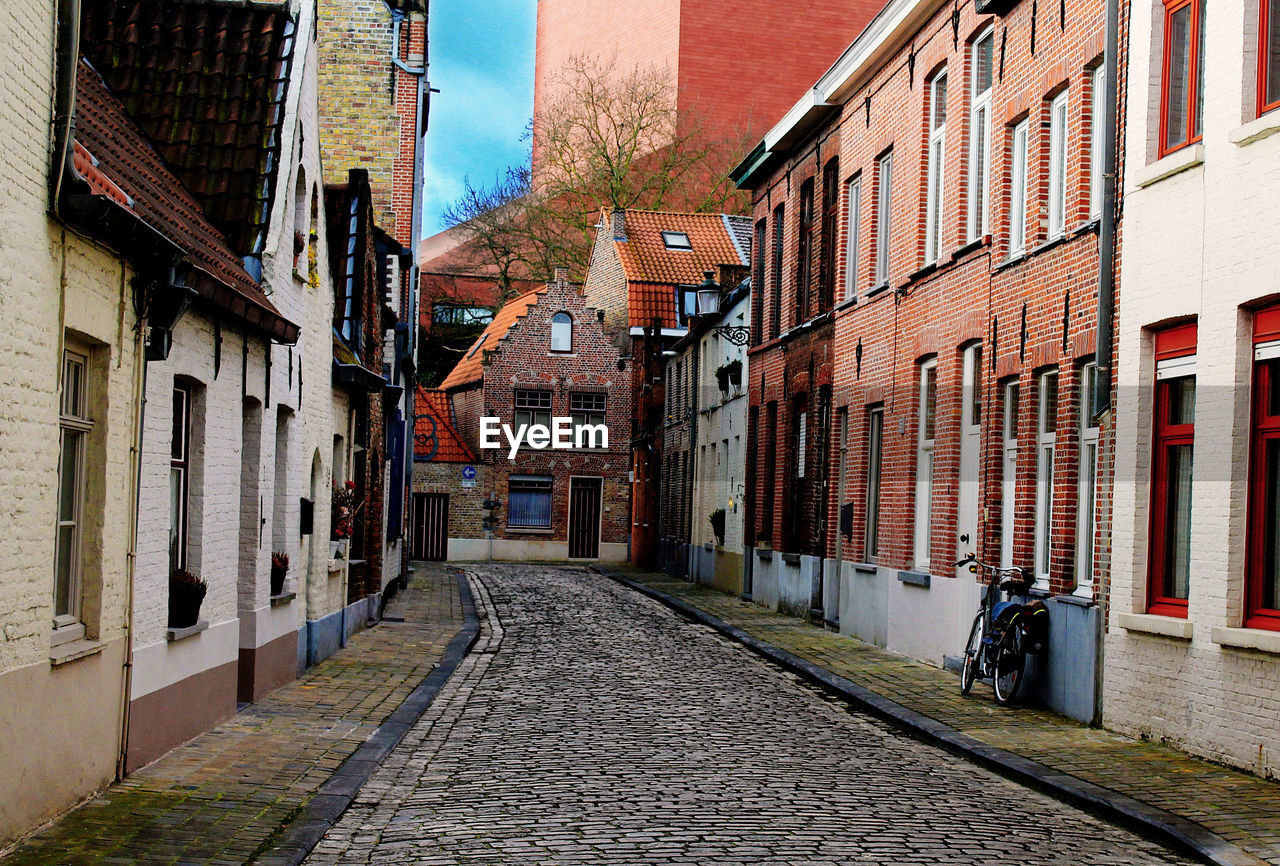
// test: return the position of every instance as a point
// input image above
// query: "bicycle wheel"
(1011, 663)
(972, 654)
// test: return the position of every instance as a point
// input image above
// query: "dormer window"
(676, 241)
(562, 332)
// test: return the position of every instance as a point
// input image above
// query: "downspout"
(693, 448)
(67, 58)
(1106, 288)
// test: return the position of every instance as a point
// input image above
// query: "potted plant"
(717, 525)
(343, 514)
(279, 568)
(186, 594)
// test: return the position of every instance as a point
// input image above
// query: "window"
(830, 224)
(980, 135)
(1268, 55)
(453, 314)
(884, 197)
(1172, 453)
(75, 426)
(346, 309)
(927, 420)
(1262, 568)
(1058, 165)
(804, 252)
(479, 343)
(1009, 474)
(586, 409)
(1046, 437)
(529, 502)
(179, 470)
(770, 473)
(1097, 125)
(853, 204)
(1182, 78)
(1018, 189)
(533, 407)
(676, 241)
(802, 429)
(875, 447)
(775, 290)
(937, 148)
(1088, 478)
(562, 332)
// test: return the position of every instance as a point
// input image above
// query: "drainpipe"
(66, 59)
(696, 362)
(1106, 284)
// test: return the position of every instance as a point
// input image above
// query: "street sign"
(468, 476)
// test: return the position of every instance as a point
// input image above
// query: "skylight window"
(478, 344)
(676, 241)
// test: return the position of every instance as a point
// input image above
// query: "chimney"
(561, 275)
(619, 222)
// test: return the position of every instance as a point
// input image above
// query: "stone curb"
(1157, 824)
(304, 832)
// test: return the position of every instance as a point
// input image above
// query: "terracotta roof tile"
(204, 81)
(470, 368)
(435, 439)
(117, 162)
(653, 270)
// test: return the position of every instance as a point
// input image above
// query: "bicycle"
(1003, 632)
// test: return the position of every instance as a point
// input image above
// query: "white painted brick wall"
(1200, 243)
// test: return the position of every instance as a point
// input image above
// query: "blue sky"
(481, 56)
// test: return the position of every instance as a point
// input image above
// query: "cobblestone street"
(589, 724)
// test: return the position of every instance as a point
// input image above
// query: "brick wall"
(870, 348)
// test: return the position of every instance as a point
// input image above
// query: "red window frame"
(1264, 38)
(1176, 342)
(1172, 7)
(1266, 428)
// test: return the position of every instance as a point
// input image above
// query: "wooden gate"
(584, 518)
(430, 527)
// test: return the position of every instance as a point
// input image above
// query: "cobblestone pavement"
(218, 798)
(591, 725)
(1237, 806)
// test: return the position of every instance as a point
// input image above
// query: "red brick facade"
(859, 343)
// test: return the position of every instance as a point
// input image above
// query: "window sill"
(791, 558)
(971, 246)
(1077, 600)
(915, 578)
(924, 272)
(878, 290)
(846, 304)
(1256, 130)
(337, 564)
(1262, 640)
(529, 530)
(283, 598)
(1175, 163)
(1153, 623)
(72, 650)
(177, 634)
(866, 568)
(764, 554)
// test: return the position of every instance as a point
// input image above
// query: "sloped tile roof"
(116, 160)
(470, 368)
(204, 80)
(435, 439)
(652, 270)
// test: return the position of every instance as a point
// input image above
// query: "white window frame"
(1097, 91)
(935, 195)
(924, 465)
(1058, 165)
(1018, 187)
(875, 463)
(853, 215)
(1046, 451)
(1009, 473)
(562, 333)
(74, 428)
(884, 213)
(1086, 482)
(980, 145)
(802, 425)
(180, 473)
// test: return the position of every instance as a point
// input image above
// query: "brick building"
(699, 44)
(704, 443)
(1193, 638)
(927, 250)
(546, 354)
(374, 100)
(446, 503)
(641, 264)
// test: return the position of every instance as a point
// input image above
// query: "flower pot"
(184, 605)
(277, 581)
(338, 548)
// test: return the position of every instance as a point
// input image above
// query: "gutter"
(1107, 230)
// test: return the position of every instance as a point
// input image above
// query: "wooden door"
(430, 527)
(584, 518)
